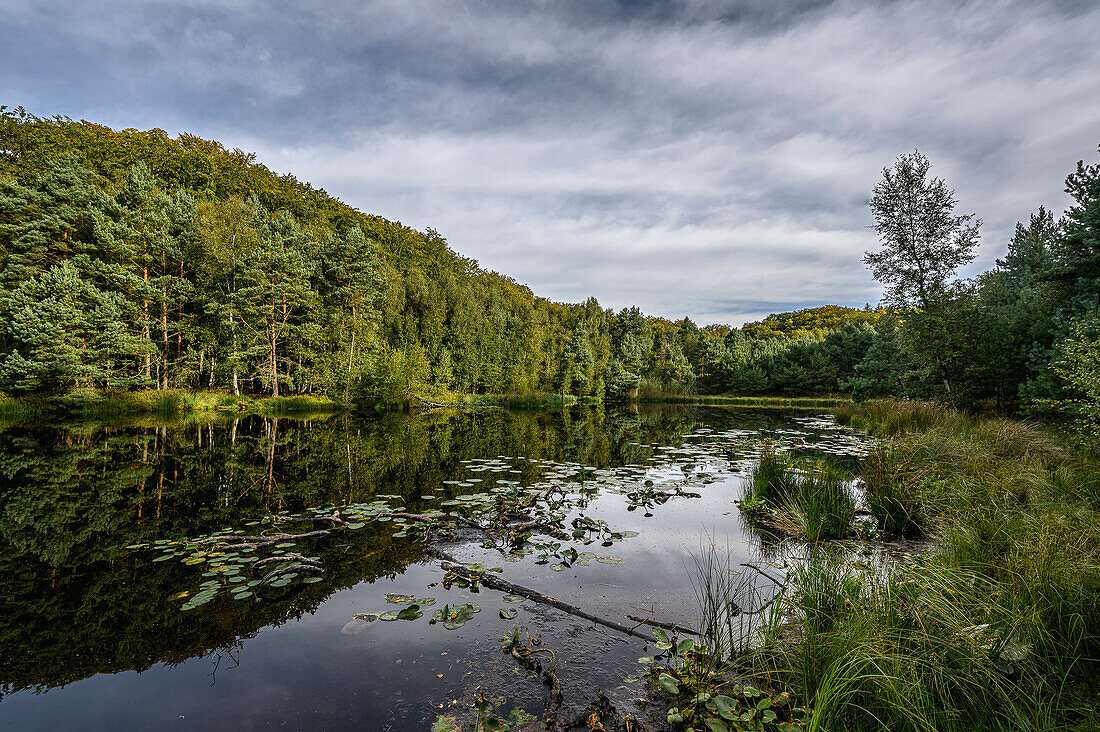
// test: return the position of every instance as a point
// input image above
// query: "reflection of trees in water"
(74, 601)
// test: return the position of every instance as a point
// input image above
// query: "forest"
(132, 260)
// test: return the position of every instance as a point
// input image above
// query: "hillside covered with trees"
(133, 260)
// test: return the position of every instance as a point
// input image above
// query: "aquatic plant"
(809, 499)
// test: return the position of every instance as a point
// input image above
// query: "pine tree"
(274, 296)
(65, 332)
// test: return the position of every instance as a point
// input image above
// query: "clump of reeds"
(821, 507)
(893, 494)
(812, 500)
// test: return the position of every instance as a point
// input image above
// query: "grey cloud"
(690, 156)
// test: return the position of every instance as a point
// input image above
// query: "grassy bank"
(996, 627)
(109, 403)
(748, 402)
(525, 401)
(11, 408)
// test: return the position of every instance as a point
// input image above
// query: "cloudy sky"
(710, 159)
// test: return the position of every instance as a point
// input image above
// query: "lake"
(102, 627)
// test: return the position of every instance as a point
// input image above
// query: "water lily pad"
(514, 598)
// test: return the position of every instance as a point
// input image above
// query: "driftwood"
(292, 568)
(411, 397)
(497, 583)
(289, 557)
(427, 520)
(526, 658)
(769, 603)
(237, 541)
(666, 626)
(601, 714)
(335, 518)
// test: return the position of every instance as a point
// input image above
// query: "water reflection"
(76, 604)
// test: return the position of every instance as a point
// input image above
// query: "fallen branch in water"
(295, 558)
(421, 518)
(237, 541)
(311, 519)
(599, 715)
(666, 626)
(496, 583)
(525, 657)
(765, 575)
(292, 568)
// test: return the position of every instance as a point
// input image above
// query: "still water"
(93, 635)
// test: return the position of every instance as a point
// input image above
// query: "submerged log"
(497, 583)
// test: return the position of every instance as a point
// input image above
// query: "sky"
(695, 158)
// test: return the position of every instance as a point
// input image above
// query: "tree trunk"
(233, 333)
(272, 361)
(351, 355)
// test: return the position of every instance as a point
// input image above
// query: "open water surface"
(95, 635)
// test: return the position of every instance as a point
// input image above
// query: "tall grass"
(822, 506)
(17, 408)
(996, 627)
(745, 402)
(808, 499)
(737, 607)
(899, 648)
(167, 402)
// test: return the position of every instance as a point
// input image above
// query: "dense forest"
(134, 260)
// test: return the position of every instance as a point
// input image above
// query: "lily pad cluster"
(525, 506)
(451, 616)
(240, 573)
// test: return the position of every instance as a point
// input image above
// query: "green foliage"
(683, 671)
(999, 631)
(179, 264)
(811, 500)
(813, 322)
(1078, 364)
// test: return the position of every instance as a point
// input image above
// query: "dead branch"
(290, 557)
(497, 583)
(666, 626)
(237, 541)
(292, 568)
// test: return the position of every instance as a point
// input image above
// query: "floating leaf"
(514, 598)
(412, 612)
(508, 614)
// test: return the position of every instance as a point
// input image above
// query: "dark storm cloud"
(694, 157)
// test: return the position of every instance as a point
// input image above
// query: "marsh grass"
(809, 499)
(17, 408)
(998, 627)
(748, 402)
(737, 607)
(995, 627)
(167, 402)
(900, 648)
(821, 507)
